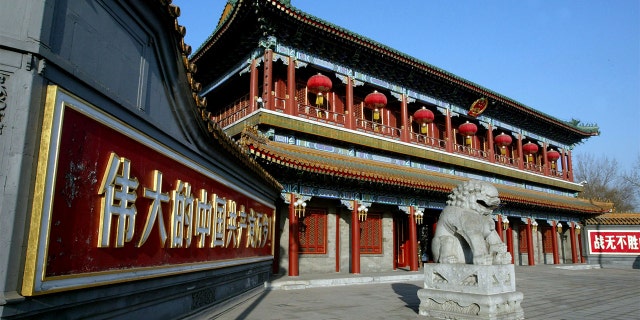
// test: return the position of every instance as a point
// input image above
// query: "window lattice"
(313, 232)
(547, 244)
(371, 234)
(522, 239)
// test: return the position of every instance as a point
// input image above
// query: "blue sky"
(571, 59)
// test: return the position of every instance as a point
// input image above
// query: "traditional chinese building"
(367, 143)
(120, 198)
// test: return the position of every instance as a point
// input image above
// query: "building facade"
(120, 197)
(367, 143)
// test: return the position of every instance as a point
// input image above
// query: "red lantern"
(528, 149)
(503, 141)
(377, 100)
(319, 84)
(423, 117)
(468, 129)
(553, 156)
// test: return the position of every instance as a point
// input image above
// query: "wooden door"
(402, 241)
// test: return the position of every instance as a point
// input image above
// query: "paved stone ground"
(550, 292)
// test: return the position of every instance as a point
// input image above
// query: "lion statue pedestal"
(473, 277)
(467, 291)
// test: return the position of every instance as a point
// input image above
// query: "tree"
(633, 178)
(603, 181)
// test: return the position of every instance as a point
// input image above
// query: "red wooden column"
(509, 232)
(491, 152)
(449, 138)
(572, 235)
(433, 232)
(569, 166)
(545, 161)
(253, 87)
(395, 244)
(520, 155)
(530, 252)
(554, 242)
(293, 238)
(582, 260)
(292, 106)
(267, 82)
(413, 241)
(337, 242)
(404, 114)
(350, 119)
(499, 227)
(565, 172)
(355, 239)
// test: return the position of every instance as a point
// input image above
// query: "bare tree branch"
(603, 181)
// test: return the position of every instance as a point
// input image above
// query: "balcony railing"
(530, 166)
(235, 112)
(279, 104)
(466, 150)
(428, 141)
(321, 114)
(240, 109)
(508, 161)
(377, 128)
(556, 173)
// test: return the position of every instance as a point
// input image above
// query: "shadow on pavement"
(408, 294)
(248, 308)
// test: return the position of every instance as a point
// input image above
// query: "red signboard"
(614, 242)
(116, 205)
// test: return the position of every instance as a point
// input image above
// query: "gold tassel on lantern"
(376, 114)
(424, 128)
(319, 100)
(468, 140)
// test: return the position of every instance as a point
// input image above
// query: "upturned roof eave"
(318, 162)
(326, 26)
(330, 30)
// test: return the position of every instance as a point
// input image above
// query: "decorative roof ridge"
(324, 154)
(553, 197)
(619, 215)
(226, 17)
(544, 194)
(234, 148)
(184, 50)
(285, 154)
(254, 142)
(283, 5)
(614, 219)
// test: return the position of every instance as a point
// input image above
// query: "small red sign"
(478, 107)
(614, 242)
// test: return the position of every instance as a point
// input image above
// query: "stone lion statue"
(465, 232)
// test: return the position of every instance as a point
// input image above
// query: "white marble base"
(466, 291)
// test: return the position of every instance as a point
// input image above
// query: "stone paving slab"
(550, 292)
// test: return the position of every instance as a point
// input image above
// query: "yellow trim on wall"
(39, 192)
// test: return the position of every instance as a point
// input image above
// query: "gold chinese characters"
(209, 221)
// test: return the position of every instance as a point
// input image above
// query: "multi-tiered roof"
(246, 24)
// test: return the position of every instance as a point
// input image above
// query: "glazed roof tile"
(327, 163)
(623, 219)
